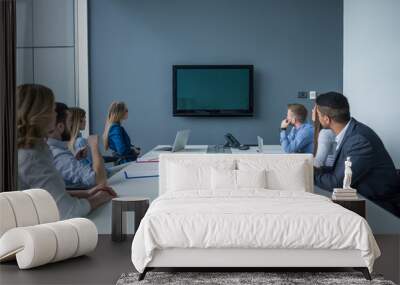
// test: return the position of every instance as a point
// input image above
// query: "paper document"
(141, 170)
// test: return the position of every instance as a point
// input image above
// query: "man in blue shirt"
(74, 172)
(300, 137)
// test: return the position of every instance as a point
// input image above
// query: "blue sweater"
(120, 143)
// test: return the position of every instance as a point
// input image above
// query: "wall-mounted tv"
(213, 90)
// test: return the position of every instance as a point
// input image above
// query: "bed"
(246, 211)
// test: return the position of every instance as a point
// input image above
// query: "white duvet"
(250, 219)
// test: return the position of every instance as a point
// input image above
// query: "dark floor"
(103, 266)
(110, 260)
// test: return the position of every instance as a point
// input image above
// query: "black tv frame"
(213, 113)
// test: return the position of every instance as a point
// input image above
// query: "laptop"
(180, 142)
(260, 142)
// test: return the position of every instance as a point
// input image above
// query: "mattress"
(250, 219)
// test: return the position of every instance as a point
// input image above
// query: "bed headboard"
(294, 167)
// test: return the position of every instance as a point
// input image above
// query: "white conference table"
(143, 182)
(154, 154)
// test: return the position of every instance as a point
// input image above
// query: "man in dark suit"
(374, 174)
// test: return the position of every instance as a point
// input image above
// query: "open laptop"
(260, 142)
(180, 142)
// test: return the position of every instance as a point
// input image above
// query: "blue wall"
(294, 45)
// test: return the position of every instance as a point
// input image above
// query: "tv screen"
(213, 90)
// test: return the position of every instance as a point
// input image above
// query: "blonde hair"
(77, 115)
(116, 113)
(35, 106)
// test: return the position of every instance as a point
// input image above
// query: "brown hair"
(35, 105)
(299, 111)
(77, 115)
(116, 113)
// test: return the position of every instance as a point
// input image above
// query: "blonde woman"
(115, 136)
(77, 143)
(36, 117)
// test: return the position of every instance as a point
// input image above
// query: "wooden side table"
(126, 204)
(356, 205)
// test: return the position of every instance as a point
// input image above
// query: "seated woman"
(324, 143)
(77, 142)
(115, 136)
(36, 117)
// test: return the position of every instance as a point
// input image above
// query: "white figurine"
(347, 174)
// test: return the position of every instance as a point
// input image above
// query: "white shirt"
(340, 136)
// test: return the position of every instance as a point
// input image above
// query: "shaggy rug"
(243, 278)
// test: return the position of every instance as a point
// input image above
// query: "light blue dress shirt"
(340, 136)
(74, 172)
(299, 140)
(80, 143)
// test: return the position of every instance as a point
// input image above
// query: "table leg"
(117, 220)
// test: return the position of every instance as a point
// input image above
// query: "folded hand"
(104, 188)
(284, 123)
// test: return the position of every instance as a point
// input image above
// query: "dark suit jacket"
(374, 173)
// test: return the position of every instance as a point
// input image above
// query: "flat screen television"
(213, 90)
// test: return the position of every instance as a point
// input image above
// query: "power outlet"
(313, 95)
(302, 94)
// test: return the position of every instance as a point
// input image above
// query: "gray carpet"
(228, 278)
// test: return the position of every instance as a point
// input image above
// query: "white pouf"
(31, 233)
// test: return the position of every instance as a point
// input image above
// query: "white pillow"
(225, 179)
(281, 174)
(292, 179)
(251, 178)
(190, 176)
(183, 178)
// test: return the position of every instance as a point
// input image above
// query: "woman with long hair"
(77, 142)
(115, 137)
(324, 143)
(36, 117)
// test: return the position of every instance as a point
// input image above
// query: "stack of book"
(344, 194)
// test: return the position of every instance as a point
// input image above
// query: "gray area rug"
(228, 278)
